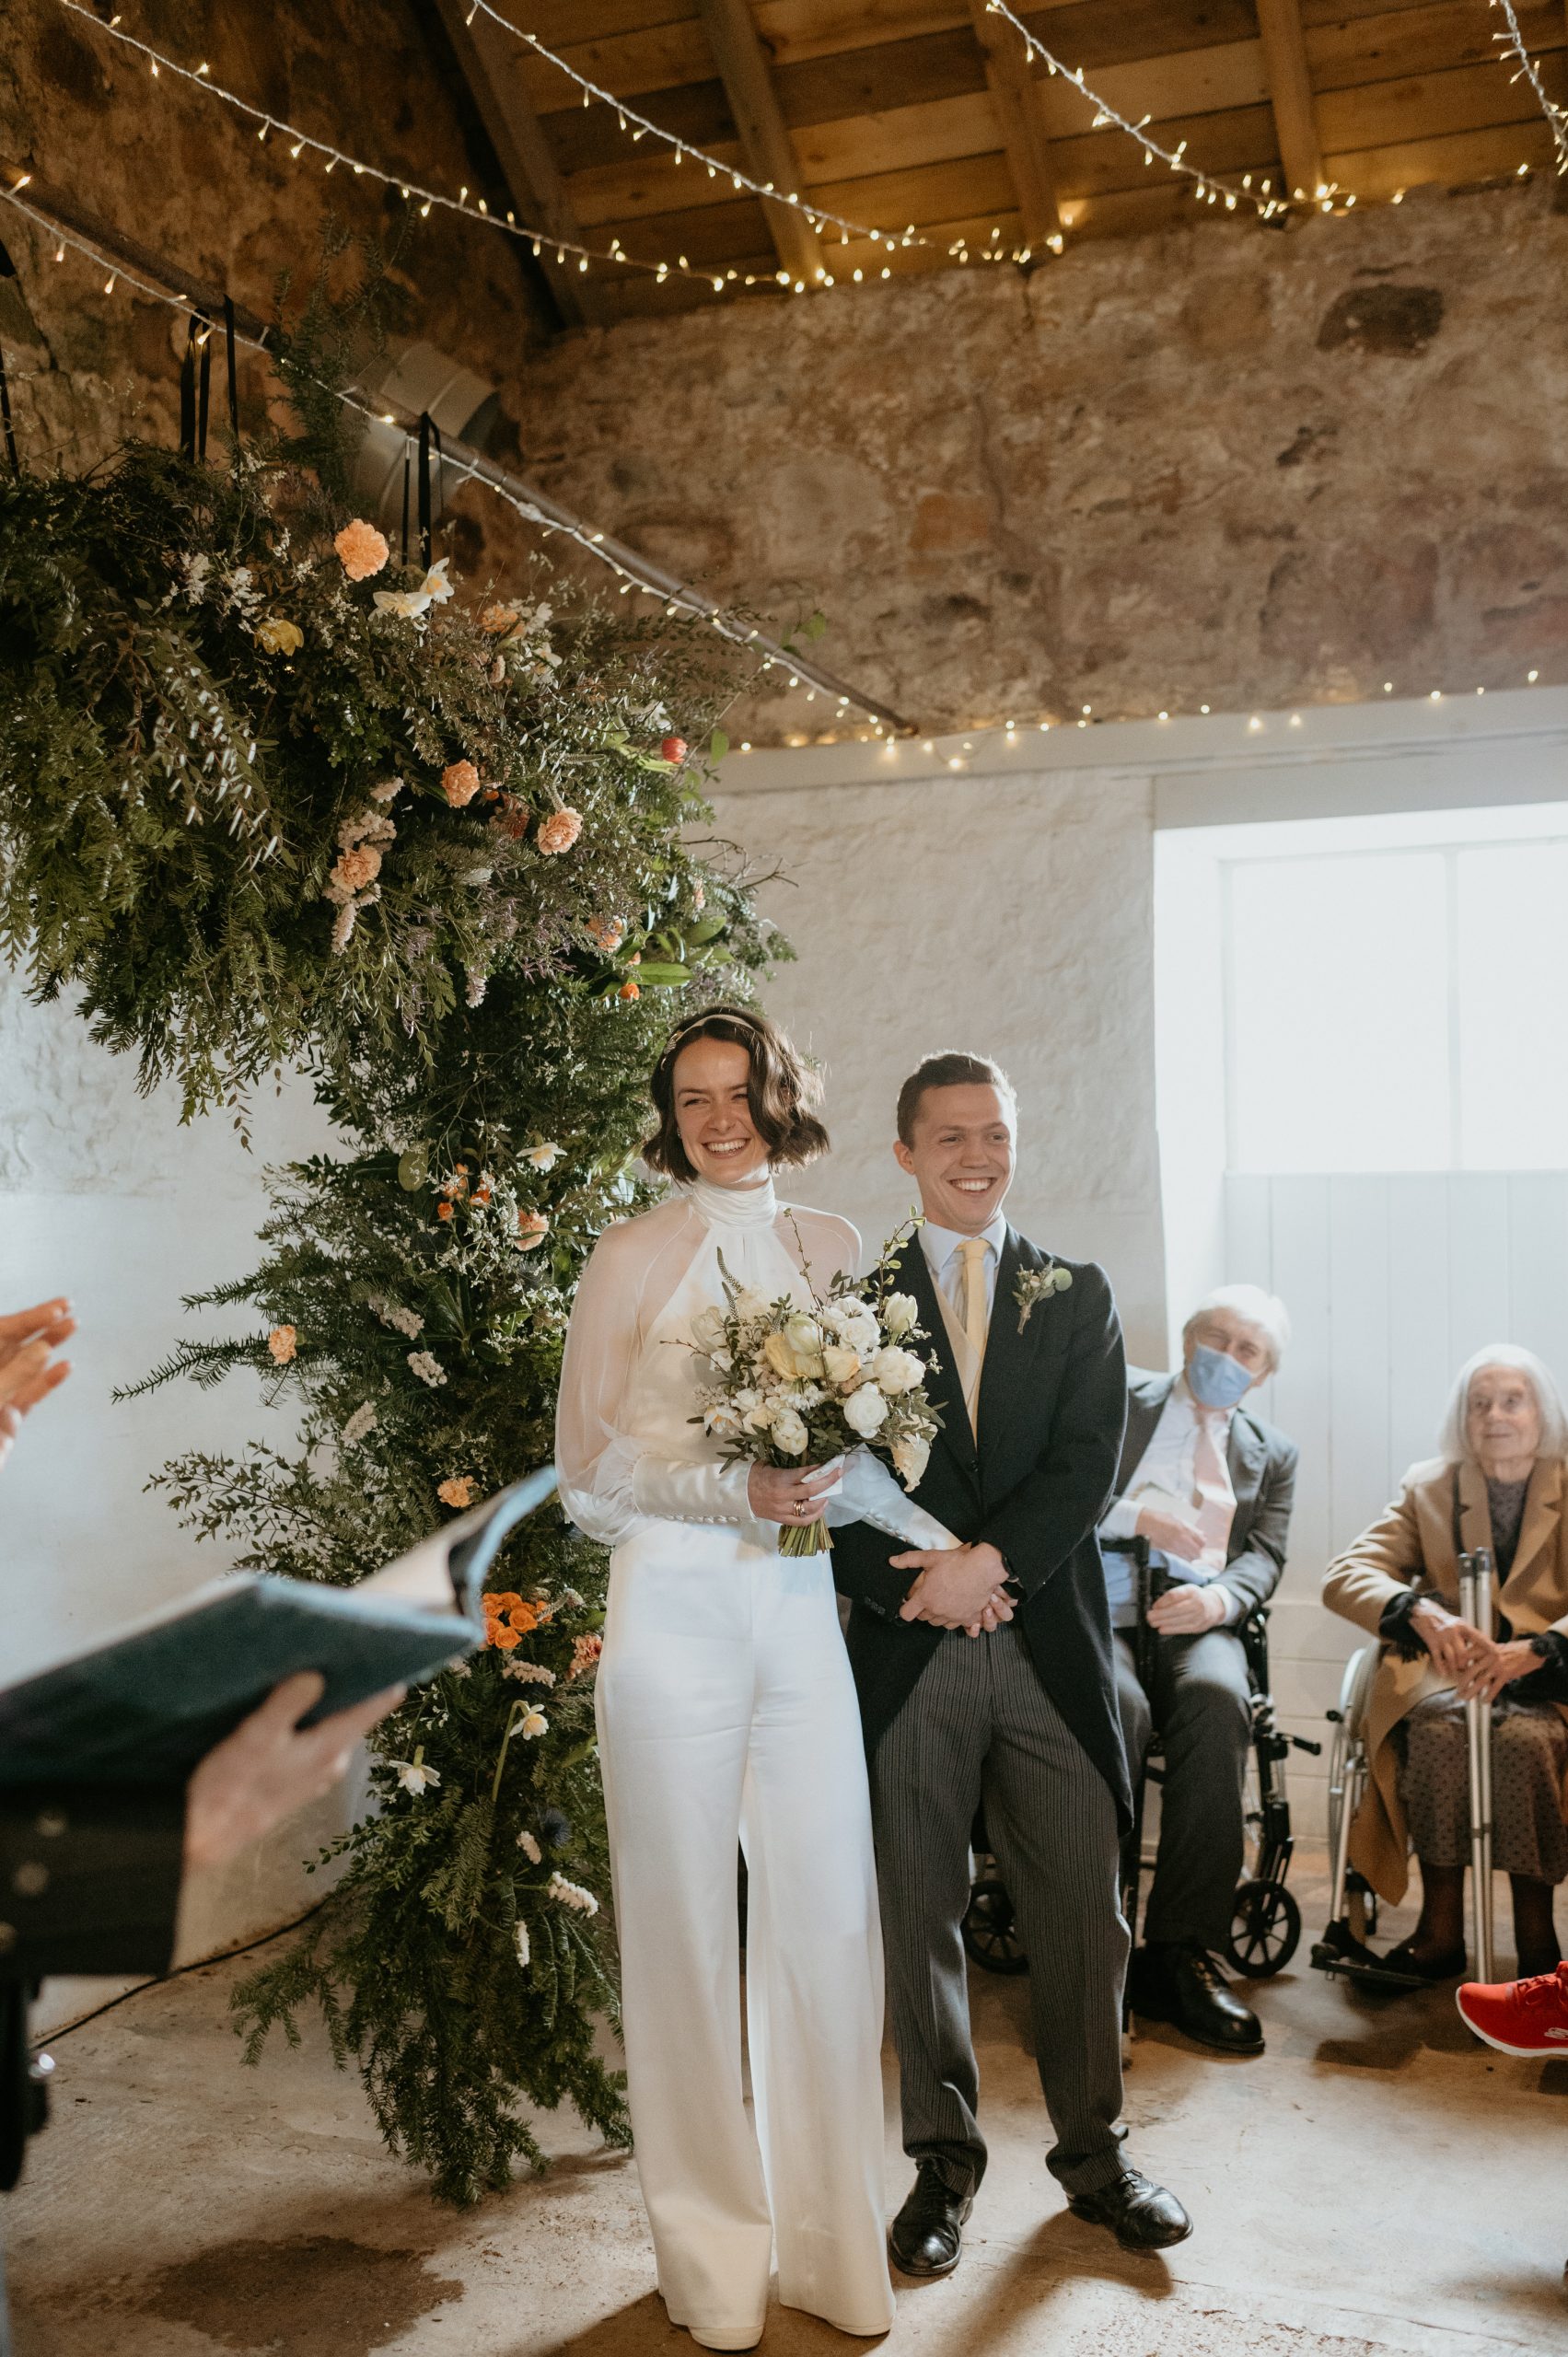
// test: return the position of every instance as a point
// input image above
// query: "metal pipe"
(1476, 1607)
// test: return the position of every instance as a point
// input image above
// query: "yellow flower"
(781, 1357)
(276, 636)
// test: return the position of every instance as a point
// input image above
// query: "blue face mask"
(1215, 1378)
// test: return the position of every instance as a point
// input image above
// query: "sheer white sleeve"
(609, 1483)
(868, 1493)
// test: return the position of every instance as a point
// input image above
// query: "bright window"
(1398, 1009)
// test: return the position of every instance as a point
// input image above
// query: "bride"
(726, 1712)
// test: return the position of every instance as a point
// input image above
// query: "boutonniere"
(1039, 1285)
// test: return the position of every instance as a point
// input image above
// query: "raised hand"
(28, 1370)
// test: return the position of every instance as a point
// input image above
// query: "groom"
(986, 1677)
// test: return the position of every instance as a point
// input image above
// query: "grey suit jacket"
(1262, 1473)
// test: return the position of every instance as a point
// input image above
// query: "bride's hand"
(792, 1493)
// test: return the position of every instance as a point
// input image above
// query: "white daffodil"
(533, 1722)
(413, 1775)
(410, 604)
(543, 1157)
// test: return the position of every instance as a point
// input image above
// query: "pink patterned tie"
(1215, 1499)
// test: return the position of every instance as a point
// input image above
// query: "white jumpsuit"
(727, 1712)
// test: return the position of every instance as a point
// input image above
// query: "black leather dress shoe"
(1140, 2213)
(1185, 1986)
(927, 2236)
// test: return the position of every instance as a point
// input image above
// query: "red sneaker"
(1519, 2016)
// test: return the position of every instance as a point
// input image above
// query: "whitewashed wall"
(1007, 914)
(105, 1197)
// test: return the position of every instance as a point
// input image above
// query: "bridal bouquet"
(788, 1386)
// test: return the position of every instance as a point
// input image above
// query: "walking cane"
(1475, 1606)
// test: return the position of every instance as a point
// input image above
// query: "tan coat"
(1413, 1541)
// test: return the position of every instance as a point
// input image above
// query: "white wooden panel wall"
(1392, 1284)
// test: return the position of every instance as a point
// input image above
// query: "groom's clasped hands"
(958, 1587)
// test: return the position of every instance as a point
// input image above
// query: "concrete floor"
(1375, 2181)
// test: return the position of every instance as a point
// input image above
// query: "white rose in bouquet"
(911, 1457)
(899, 1313)
(789, 1432)
(855, 1322)
(893, 1370)
(865, 1411)
(722, 1423)
(707, 1330)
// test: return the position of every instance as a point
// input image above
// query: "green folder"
(147, 1705)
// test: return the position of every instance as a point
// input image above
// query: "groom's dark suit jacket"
(1053, 1402)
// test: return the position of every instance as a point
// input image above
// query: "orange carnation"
(629, 990)
(442, 1210)
(532, 1230)
(460, 783)
(362, 549)
(560, 830)
(280, 1341)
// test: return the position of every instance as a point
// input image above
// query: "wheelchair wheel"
(991, 1929)
(1264, 1930)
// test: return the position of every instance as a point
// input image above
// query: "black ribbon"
(232, 379)
(407, 469)
(195, 386)
(429, 431)
(7, 269)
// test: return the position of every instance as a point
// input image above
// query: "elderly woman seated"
(1498, 1485)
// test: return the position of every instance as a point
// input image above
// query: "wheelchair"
(1353, 1903)
(1265, 1928)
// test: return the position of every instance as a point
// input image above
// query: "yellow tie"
(976, 1317)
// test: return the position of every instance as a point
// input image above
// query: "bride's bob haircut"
(783, 1091)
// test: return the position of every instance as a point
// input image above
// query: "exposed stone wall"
(188, 179)
(1221, 465)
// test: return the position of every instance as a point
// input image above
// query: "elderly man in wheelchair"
(1208, 1485)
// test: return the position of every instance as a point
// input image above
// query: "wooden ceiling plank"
(1290, 92)
(488, 58)
(1015, 93)
(1432, 105)
(1492, 152)
(1438, 33)
(765, 141)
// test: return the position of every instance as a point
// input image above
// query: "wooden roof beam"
(490, 67)
(765, 143)
(1016, 95)
(1290, 89)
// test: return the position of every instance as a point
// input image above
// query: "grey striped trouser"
(980, 1727)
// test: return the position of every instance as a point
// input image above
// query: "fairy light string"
(1516, 50)
(299, 141)
(675, 598)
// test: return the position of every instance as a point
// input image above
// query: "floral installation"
(174, 791)
(1036, 1286)
(793, 1385)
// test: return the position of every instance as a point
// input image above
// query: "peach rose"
(532, 1230)
(460, 783)
(560, 830)
(362, 549)
(283, 1342)
(456, 1489)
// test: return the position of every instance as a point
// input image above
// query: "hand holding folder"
(149, 1704)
